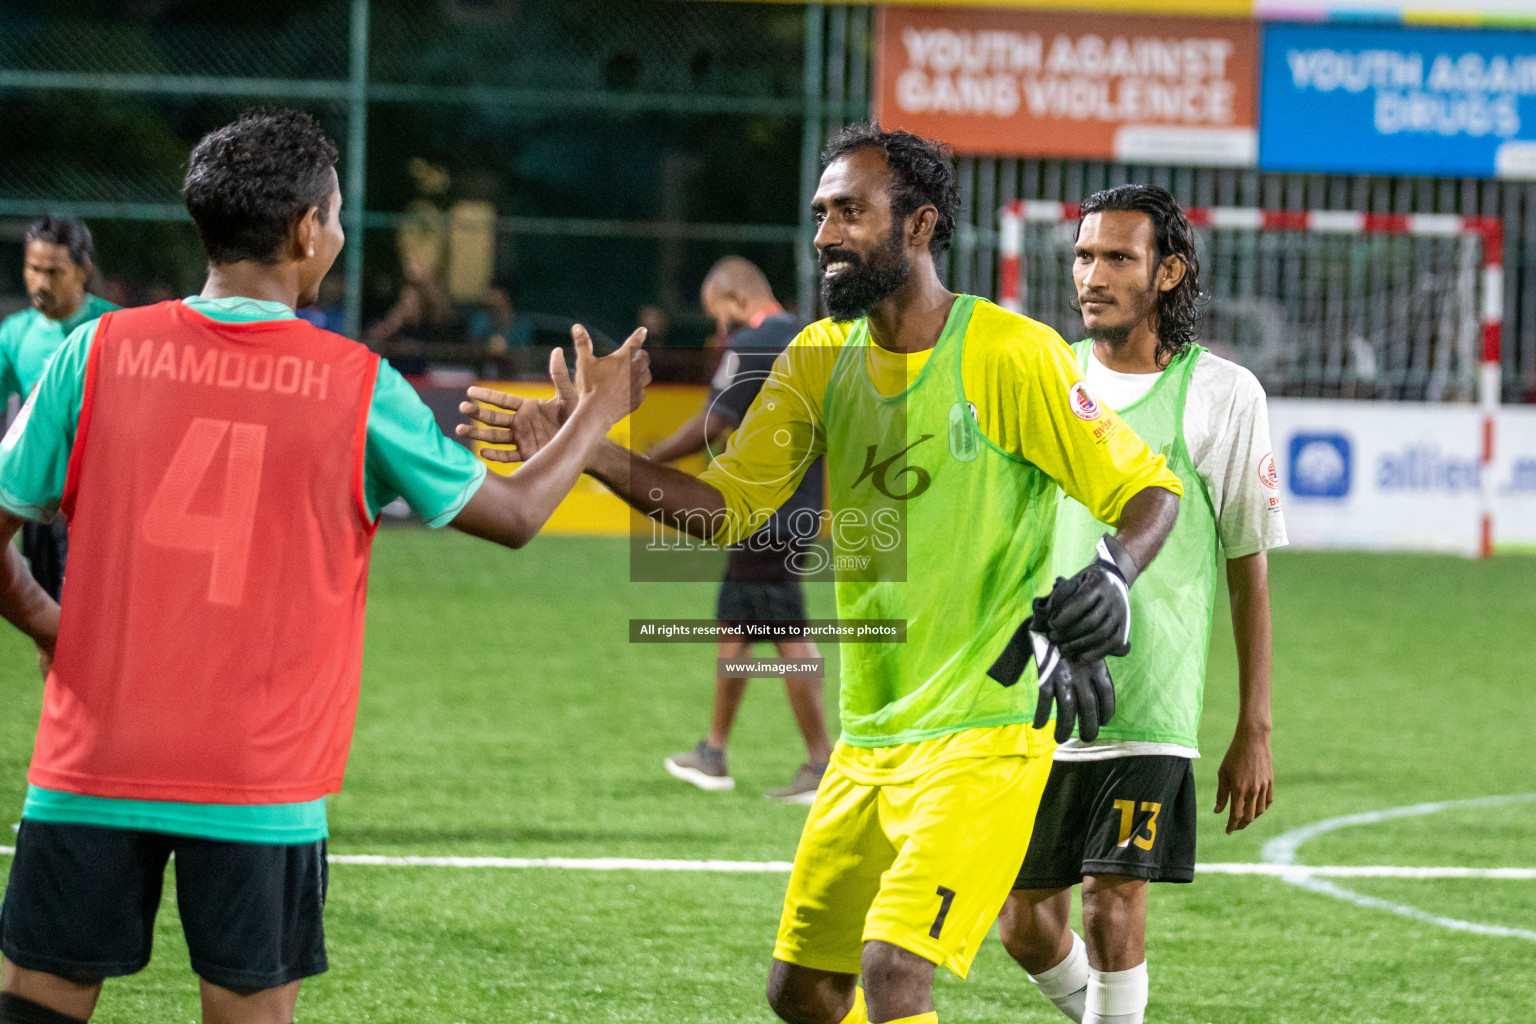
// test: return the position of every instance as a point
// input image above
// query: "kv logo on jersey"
(878, 470)
(1084, 406)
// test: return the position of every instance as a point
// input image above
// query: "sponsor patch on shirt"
(1270, 478)
(1084, 406)
(1268, 475)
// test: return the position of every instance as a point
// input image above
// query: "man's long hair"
(1177, 310)
(72, 234)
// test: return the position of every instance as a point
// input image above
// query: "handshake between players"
(1082, 621)
(523, 426)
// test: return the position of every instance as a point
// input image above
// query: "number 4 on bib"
(226, 536)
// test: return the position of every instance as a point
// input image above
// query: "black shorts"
(757, 561)
(45, 547)
(760, 602)
(761, 585)
(1132, 816)
(81, 904)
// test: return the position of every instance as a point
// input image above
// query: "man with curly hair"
(222, 465)
(950, 427)
(1119, 808)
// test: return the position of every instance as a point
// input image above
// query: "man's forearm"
(1145, 522)
(512, 510)
(687, 439)
(1248, 589)
(692, 437)
(23, 601)
(679, 499)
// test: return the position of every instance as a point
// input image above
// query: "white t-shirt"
(1226, 429)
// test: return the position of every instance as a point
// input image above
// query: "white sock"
(1117, 997)
(1066, 984)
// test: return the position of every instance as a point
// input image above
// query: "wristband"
(1113, 556)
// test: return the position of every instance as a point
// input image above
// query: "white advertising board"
(1514, 515)
(1401, 475)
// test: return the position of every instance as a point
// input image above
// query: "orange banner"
(1017, 83)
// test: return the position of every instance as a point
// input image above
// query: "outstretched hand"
(528, 424)
(615, 383)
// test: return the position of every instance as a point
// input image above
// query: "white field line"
(1281, 851)
(1289, 871)
(772, 867)
(781, 867)
(1283, 848)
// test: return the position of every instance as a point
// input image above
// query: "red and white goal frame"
(1488, 230)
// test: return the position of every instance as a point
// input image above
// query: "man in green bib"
(57, 266)
(950, 427)
(1119, 808)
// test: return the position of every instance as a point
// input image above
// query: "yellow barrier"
(591, 510)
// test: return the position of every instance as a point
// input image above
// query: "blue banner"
(1398, 101)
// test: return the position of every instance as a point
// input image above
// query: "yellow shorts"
(924, 864)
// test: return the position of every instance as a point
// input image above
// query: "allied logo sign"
(1320, 465)
(963, 428)
(880, 475)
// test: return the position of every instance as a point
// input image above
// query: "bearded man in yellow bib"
(950, 428)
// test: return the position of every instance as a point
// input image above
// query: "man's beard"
(852, 293)
(1115, 335)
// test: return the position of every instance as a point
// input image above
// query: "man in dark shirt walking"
(761, 582)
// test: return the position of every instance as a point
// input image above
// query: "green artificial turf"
(504, 713)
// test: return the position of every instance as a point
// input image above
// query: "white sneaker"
(704, 766)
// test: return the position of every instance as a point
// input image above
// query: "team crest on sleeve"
(1084, 405)
(1268, 475)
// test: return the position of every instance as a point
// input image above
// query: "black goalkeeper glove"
(1089, 615)
(1082, 691)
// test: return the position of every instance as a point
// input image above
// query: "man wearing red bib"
(222, 465)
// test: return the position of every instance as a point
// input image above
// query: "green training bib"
(935, 525)
(1160, 685)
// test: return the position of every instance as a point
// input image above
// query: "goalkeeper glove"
(1081, 690)
(1089, 615)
